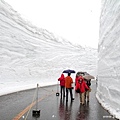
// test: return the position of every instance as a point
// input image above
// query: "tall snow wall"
(31, 55)
(108, 90)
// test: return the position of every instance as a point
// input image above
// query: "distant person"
(87, 93)
(68, 86)
(81, 84)
(62, 85)
(97, 80)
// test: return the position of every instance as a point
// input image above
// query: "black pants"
(62, 91)
(71, 95)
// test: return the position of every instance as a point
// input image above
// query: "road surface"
(20, 106)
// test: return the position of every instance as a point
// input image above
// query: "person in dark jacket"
(87, 93)
(62, 85)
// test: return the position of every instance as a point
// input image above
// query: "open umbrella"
(68, 71)
(88, 77)
(81, 73)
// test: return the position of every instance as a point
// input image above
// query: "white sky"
(75, 20)
(26, 59)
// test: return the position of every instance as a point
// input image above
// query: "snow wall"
(31, 55)
(108, 91)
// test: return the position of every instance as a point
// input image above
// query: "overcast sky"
(75, 20)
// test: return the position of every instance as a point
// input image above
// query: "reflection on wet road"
(51, 107)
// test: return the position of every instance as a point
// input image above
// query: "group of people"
(66, 83)
(82, 86)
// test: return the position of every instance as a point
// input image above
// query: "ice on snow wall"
(108, 90)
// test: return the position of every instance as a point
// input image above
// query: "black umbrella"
(68, 71)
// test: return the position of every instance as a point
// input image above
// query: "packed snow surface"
(31, 55)
(108, 91)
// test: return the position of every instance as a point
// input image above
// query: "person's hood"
(80, 78)
(62, 76)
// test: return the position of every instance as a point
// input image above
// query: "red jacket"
(81, 84)
(76, 79)
(62, 80)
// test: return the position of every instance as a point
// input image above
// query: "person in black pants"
(62, 85)
(68, 85)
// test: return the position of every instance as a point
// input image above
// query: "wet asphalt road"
(17, 106)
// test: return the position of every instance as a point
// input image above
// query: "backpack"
(88, 82)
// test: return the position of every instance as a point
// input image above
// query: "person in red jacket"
(62, 85)
(82, 87)
(76, 84)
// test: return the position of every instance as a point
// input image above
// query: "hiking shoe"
(83, 104)
(72, 99)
